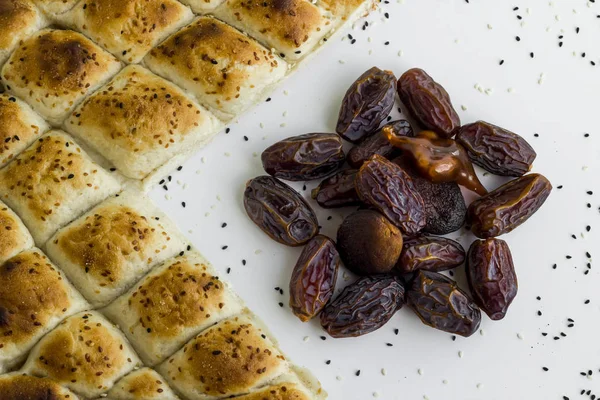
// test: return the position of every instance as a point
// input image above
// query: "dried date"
(440, 303)
(363, 307)
(366, 104)
(337, 190)
(379, 144)
(507, 207)
(491, 276)
(430, 254)
(314, 276)
(495, 149)
(428, 102)
(385, 186)
(304, 157)
(280, 211)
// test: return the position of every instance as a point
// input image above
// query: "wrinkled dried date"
(304, 157)
(495, 149)
(369, 243)
(491, 275)
(507, 207)
(314, 276)
(430, 253)
(379, 144)
(363, 307)
(389, 189)
(366, 104)
(428, 102)
(441, 304)
(337, 190)
(280, 211)
(445, 207)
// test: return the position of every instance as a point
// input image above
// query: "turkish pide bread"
(54, 70)
(14, 236)
(84, 353)
(172, 304)
(138, 121)
(34, 297)
(17, 386)
(107, 250)
(127, 28)
(18, 19)
(142, 384)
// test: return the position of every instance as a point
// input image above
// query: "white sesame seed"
(489, 26)
(227, 154)
(460, 354)
(421, 372)
(520, 336)
(481, 332)
(261, 125)
(383, 372)
(445, 381)
(190, 231)
(342, 61)
(306, 339)
(168, 197)
(375, 394)
(257, 251)
(510, 90)
(479, 385)
(339, 377)
(282, 124)
(463, 107)
(400, 53)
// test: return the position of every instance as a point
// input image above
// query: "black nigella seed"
(323, 338)
(183, 204)
(169, 178)
(71, 176)
(357, 373)
(387, 15)
(588, 228)
(246, 138)
(304, 187)
(587, 302)
(165, 187)
(224, 224)
(227, 130)
(181, 253)
(387, 43)
(113, 169)
(396, 331)
(531, 54)
(544, 334)
(243, 262)
(590, 192)
(389, 344)
(563, 334)
(518, 39)
(588, 255)
(224, 247)
(539, 313)
(453, 338)
(560, 44)
(228, 270)
(161, 182)
(538, 298)
(577, 30)
(180, 168)
(545, 368)
(536, 135)
(554, 266)
(501, 62)
(328, 362)
(280, 304)
(559, 187)
(268, 99)
(329, 218)
(568, 257)
(573, 236)
(350, 36)
(353, 41)
(515, 9)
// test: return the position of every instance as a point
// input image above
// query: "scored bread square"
(16, 386)
(108, 249)
(54, 70)
(34, 297)
(53, 182)
(227, 359)
(202, 6)
(285, 387)
(225, 70)
(85, 353)
(342, 11)
(14, 236)
(292, 27)
(127, 28)
(18, 19)
(138, 121)
(143, 384)
(171, 305)
(53, 8)
(19, 127)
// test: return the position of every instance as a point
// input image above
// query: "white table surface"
(555, 94)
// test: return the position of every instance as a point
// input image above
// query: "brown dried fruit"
(428, 102)
(389, 189)
(304, 157)
(280, 211)
(369, 243)
(430, 253)
(363, 307)
(495, 149)
(366, 104)
(491, 275)
(337, 190)
(507, 207)
(379, 144)
(438, 159)
(440, 303)
(314, 277)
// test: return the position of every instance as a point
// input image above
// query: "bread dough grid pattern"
(219, 62)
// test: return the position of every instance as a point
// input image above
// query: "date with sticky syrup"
(337, 191)
(379, 144)
(430, 253)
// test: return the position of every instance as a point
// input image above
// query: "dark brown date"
(314, 277)
(363, 307)
(440, 303)
(385, 186)
(491, 275)
(428, 102)
(495, 149)
(304, 157)
(337, 190)
(445, 206)
(366, 104)
(379, 144)
(507, 207)
(430, 253)
(369, 243)
(280, 211)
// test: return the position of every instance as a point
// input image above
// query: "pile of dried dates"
(406, 185)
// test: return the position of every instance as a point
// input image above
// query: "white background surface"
(450, 39)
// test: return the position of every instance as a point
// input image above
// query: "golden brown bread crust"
(19, 126)
(341, 9)
(128, 28)
(51, 182)
(230, 358)
(84, 353)
(283, 391)
(18, 19)
(14, 237)
(143, 384)
(292, 27)
(217, 63)
(23, 387)
(54, 69)
(139, 120)
(52, 8)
